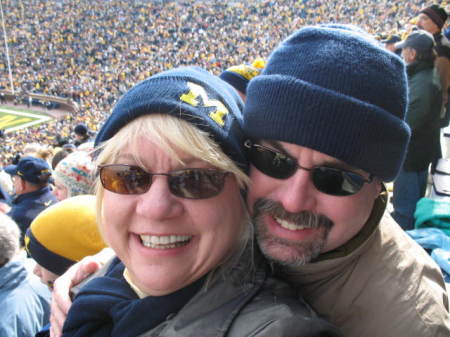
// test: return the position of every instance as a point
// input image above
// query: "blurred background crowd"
(92, 51)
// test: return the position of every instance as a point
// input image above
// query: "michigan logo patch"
(196, 93)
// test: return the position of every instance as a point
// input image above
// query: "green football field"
(12, 119)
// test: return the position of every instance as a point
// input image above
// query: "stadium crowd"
(93, 51)
(330, 236)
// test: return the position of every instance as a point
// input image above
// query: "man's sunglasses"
(328, 180)
(191, 183)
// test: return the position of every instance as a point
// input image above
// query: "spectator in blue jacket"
(23, 298)
(32, 191)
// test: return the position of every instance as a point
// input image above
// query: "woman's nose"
(158, 202)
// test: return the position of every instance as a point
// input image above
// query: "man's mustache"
(305, 218)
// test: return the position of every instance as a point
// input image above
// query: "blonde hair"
(174, 136)
(39, 151)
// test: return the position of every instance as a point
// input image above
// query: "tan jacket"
(380, 284)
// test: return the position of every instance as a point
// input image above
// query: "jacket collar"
(31, 195)
(418, 66)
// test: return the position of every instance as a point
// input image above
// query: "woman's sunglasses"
(328, 180)
(191, 183)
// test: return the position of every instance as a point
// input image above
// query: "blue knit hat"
(189, 93)
(239, 76)
(333, 89)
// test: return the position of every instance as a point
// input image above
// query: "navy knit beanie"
(189, 93)
(239, 76)
(437, 14)
(334, 89)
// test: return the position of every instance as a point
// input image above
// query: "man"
(432, 19)
(32, 190)
(424, 107)
(326, 119)
(23, 299)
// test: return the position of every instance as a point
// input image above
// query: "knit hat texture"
(437, 14)
(334, 89)
(76, 172)
(189, 93)
(239, 76)
(64, 233)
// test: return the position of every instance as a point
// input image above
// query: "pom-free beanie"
(437, 14)
(239, 76)
(189, 93)
(64, 233)
(76, 172)
(333, 89)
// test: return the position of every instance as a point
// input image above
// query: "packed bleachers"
(92, 51)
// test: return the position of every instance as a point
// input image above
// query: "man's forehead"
(295, 151)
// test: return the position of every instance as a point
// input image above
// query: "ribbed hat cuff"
(356, 132)
(51, 261)
(435, 17)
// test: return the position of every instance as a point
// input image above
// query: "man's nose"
(297, 193)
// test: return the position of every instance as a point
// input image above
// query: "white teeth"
(164, 242)
(289, 225)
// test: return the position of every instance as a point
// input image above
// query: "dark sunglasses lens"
(271, 163)
(336, 182)
(124, 179)
(196, 184)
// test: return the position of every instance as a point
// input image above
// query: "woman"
(171, 208)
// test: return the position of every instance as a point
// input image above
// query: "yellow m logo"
(197, 91)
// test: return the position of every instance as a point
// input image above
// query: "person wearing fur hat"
(326, 127)
(74, 175)
(31, 179)
(170, 205)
